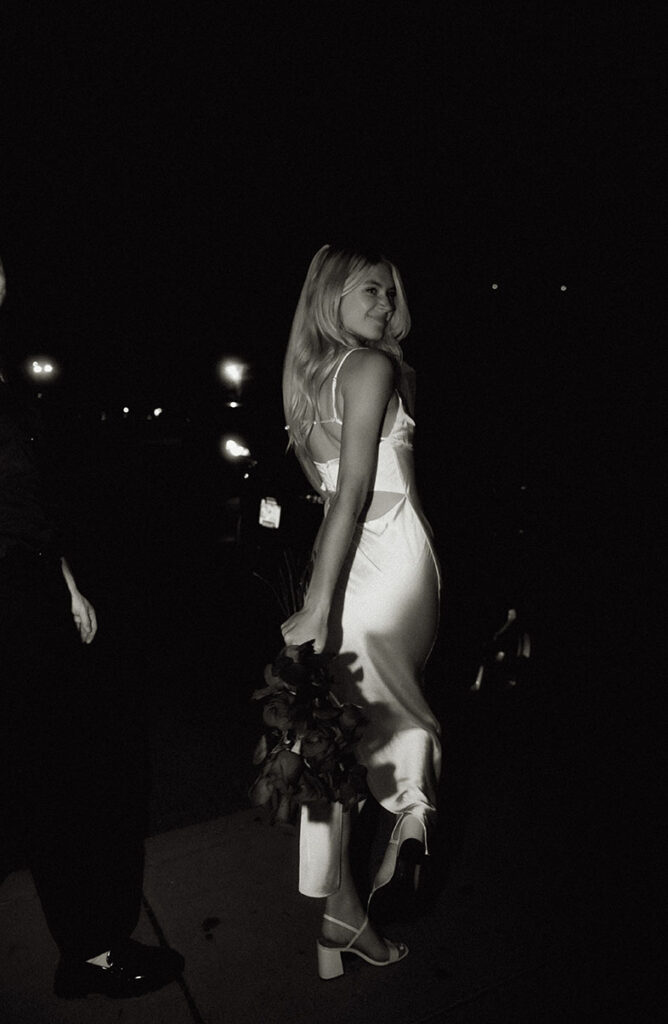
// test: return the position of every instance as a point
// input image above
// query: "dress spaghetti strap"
(336, 419)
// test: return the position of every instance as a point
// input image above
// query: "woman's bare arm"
(366, 383)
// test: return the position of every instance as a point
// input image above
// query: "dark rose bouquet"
(306, 752)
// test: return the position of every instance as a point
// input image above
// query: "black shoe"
(133, 970)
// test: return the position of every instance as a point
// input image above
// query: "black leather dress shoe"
(133, 970)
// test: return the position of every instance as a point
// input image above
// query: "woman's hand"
(306, 625)
(84, 617)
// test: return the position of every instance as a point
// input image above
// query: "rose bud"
(347, 794)
(277, 712)
(352, 721)
(317, 744)
(325, 713)
(287, 767)
(272, 679)
(261, 790)
(310, 789)
(261, 750)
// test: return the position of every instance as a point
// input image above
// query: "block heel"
(330, 962)
(330, 959)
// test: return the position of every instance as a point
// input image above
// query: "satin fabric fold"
(383, 624)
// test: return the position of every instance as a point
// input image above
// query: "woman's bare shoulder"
(368, 364)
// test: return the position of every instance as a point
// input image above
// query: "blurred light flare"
(233, 448)
(232, 371)
(42, 368)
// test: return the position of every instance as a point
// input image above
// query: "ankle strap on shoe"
(344, 924)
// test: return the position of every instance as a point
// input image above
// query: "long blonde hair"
(317, 337)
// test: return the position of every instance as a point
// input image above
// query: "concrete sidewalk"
(490, 948)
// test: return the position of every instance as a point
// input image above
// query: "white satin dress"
(383, 624)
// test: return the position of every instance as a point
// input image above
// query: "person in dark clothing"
(59, 803)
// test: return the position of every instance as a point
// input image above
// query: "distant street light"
(42, 368)
(233, 373)
(233, 449)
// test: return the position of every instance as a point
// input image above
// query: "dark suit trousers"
(70, 807)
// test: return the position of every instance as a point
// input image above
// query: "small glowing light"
(495, 287)
(42, 366)
(157, 412)
(563, 288)
(233, 405)
(234, 450)
(246, 475)
(125, 410)
(232, 371)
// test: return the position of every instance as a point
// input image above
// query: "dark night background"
(167, 173)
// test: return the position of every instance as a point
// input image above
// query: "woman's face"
(366, 310)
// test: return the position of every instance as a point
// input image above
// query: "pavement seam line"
(182, 983)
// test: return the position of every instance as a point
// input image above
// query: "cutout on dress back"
(328, 429)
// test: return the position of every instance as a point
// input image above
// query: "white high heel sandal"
(330, 963)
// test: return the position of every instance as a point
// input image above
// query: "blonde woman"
(373, 596)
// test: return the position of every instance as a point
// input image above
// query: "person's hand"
(84, 617)
(306, 625)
